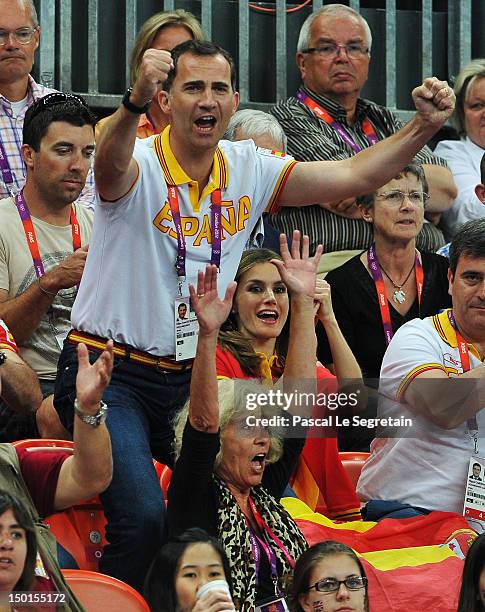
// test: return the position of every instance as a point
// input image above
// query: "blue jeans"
(142, 402)
(377, 509)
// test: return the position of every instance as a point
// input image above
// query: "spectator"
(265, 132)
(182, 567)
(432, 374)
(19, 39)
(253, 343)
(54, 481)
(19, 386)
(18, 546)
(412, 284)
(329, 576)
(39, 230)
(221, 493)
(465, 155)
(261, 127)
(143, 183)
(164, 30)
(472, 593)
(329, 120)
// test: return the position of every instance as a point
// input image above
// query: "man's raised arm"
(330, 181)
(115, 169)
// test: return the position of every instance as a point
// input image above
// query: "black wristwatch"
(3, 357)
(133, 108)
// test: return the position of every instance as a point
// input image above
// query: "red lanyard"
(462, 344)
(265, 529)
(173, 200)
(324, 115)
(375, 270)
(31, 235)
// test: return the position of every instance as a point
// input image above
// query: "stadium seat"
(100, 592)
(353, 463)
(45, 444)
(81, 528)
(165, 479)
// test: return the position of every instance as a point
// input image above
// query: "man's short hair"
(482, 170)
(469, 241)
(476, 465)
(329, 11)
(41, 114)
(152, 26)
(255, 123)
(199, 48)
(367, 200)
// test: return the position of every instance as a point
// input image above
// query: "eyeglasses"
(57, 97)
(328, 50)
(22, 36)
(330, 585)
(417, 198)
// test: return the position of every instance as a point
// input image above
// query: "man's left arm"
(441, 184)
(89, 470)
(375, 166)
(413, 373)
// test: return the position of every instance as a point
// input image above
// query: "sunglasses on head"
(57, 97)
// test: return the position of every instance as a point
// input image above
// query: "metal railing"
(445, 41)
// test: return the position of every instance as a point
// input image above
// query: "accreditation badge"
(474, 506)
(275, 604)
(186, 329)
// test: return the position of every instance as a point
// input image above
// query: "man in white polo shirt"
(433, 374)
(168, 206)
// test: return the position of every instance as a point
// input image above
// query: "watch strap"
(133, 108)
(95, 420)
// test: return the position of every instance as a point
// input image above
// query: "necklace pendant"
(399, 296)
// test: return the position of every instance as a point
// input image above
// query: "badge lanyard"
(268, 535)
(321, 113)
(31, 235)
(375, 270)
(461, 343)
(173, 200)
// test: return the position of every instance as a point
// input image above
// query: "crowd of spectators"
(149, 309)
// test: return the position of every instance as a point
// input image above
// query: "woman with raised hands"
(229, 475)
(253, 343)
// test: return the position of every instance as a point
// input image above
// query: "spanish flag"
(411, 563)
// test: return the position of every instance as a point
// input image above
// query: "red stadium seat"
(100, 592)
(165, 479)
(81, 528)
(353, 463)
(45, 444)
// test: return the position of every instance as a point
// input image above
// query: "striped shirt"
(311, 139)
(11, 135)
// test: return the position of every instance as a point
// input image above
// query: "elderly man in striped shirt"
(328, 120)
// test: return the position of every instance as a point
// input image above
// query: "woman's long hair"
(474, 564)
(231, 339)
(24, 520)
